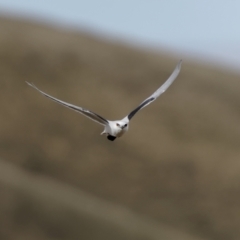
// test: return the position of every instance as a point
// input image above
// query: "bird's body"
(115, 129)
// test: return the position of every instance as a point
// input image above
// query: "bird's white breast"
(116, 131)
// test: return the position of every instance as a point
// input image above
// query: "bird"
(115, 129)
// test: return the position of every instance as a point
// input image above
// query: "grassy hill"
(178, 164)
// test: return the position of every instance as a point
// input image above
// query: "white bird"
(114, 129)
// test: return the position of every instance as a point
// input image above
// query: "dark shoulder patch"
(131, 114)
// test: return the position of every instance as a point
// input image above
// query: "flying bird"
(115, 129)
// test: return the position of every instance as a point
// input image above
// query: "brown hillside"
(179, 162)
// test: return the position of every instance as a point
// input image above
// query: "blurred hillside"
(178, 164)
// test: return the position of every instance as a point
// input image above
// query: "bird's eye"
(125, 125)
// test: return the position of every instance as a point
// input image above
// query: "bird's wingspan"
(95, 117)
(158, 92)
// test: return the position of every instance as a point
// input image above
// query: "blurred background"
(174, 175)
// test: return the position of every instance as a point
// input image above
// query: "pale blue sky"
(208, 29)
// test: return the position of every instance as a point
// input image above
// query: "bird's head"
(121, 125)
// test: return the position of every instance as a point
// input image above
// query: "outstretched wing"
(159, 91)
(95, 117)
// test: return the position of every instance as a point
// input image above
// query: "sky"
(203, 29)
